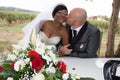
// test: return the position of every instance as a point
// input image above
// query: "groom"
(84, 37)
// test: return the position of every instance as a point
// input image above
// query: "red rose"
(1, 68)
(12, 65)
(37, 63)
(61, 66)
(33, 53)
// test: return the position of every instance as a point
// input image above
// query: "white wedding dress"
(36, 24)
(50, 42)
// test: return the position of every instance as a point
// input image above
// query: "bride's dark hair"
(58, 8)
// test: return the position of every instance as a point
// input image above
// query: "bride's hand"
(65, 50)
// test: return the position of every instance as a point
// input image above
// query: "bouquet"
(32, 60)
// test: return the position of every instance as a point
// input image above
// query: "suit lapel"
(80, 34)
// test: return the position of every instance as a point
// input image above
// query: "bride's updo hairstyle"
(58, 8)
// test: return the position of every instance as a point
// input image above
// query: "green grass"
(104, 42)
(5, 45)
(14, 27)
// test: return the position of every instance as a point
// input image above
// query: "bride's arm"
(65, 40)
(65, 36)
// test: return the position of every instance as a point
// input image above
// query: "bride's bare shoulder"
(48, 22)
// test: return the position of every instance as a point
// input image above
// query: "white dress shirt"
(77, 29)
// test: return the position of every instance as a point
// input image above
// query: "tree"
(117, 54)
(111, 28)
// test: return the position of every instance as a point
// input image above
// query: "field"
(104, 42)
(12, 34)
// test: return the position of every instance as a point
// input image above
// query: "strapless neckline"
(49, 41)
(50, 37)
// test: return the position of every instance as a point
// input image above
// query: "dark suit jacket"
(87, 42)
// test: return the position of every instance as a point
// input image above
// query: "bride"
(51, 31)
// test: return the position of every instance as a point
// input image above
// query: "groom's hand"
(65, 50)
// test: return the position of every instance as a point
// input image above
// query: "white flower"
(21, 55)
(16, 52)
(50, 69)
(24, 45)
(9, 78)
(11, 57)
(40, 50)
(65, 76)
(30, 64)
(40, 47)
(52, 56)
(75, 76)
(21, 46)
(38, 76)
(47, 58)
(19, 65)
(38, 41)
(27, 60)
(33, 36)
(17, 47)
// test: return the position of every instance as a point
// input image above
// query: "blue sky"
(93, 7)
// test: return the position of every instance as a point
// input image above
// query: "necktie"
(74, 33)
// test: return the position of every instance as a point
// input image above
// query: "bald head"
(79, 15)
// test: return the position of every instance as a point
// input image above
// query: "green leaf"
(58, 73)
(31, 45)
(51, 76)
(8, 73)
(7, 64)
(87, 78)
